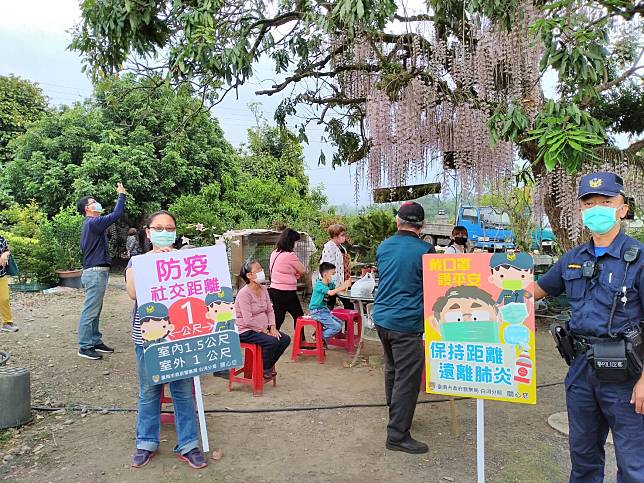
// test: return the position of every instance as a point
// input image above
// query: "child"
(318, 308)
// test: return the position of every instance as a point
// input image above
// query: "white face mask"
(260, 277)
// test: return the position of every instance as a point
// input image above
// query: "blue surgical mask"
(599, 219)
(475, 331)
(514, 313)
(98, 208)
(163, 238)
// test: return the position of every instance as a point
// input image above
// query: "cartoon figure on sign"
(512, 273)
(221, 309)
(466, 314)
(155, 322)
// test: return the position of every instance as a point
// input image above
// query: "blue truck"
(488, 229)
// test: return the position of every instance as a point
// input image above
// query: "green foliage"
(508, 123)
(21, 103)
(63, 233)
(274, 153)
(155, 140)
(268, 188)
(39, 246)
(370, 229)
(31, 257)
(565, 135)
(24, 221)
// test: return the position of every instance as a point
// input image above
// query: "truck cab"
(488, 228)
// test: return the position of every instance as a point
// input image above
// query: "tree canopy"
(268, 188)
(157, 141)
(21, 103)
(400, 89)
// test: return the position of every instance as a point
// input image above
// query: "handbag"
(12, 267)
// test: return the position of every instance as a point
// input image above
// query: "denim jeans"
(331, 325)
(95, 284)
(148, 417)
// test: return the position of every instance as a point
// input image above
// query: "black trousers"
(272, 347)
(404, 361)
(346, 303)
(285, 301)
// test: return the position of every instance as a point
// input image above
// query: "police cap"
(521, 261)
(152, 310)
(601, 183)
(224, 295)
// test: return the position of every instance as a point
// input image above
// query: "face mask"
(514, 313)
(511, 285)
(224, 316)
(460, 240)
(599, 219)
(479, 331)
(98, 208)
(163, 238)
(260, 277)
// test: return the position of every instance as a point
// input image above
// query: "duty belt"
(583, 343)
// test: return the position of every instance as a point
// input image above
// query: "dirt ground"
(91, 444)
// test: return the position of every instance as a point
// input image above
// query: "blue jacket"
(399, 300)
(591, 299)
(93, 241)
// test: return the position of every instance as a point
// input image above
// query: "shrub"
(34, 261)
(64, 231)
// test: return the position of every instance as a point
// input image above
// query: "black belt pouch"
(609, 360)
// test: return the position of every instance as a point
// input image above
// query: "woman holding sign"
(255, 318)
(161, 231)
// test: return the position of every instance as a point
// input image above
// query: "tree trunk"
(550, 207)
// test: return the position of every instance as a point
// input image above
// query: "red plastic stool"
(253, 370)
(349, 338)
(168, 418)
(303, 348)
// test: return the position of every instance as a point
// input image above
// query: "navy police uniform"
(593, 406)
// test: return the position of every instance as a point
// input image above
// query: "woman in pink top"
(285, 269)
(255, 319)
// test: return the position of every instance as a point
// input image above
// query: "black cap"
(411, 212)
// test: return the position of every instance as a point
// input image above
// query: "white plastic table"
(360, 302)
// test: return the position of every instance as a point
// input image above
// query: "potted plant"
(65, 229)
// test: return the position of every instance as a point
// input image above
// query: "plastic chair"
(350, 337)
(303, 348)
(253, 370)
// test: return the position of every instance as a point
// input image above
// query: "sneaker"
(195, 458)
(9, 328)
(103, 348)
(89, 354)
(141, 458)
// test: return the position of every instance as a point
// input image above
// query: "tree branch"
(609, 85)
(415, 18)
(635, 147)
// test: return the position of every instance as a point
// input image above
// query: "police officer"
(512, 273)
(601, 277)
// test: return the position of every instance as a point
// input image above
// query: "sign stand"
(202, 415)
(480, 440)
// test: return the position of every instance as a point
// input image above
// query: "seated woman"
(161, 231)
(458, 243)
(255, 318)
